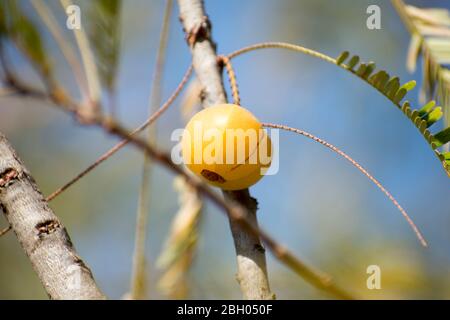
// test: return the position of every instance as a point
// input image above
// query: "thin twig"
(5, 231)
(283, 45)
(232, 77)
(234, 210)
(123, 143)
(66, 49)
(139, 275)
(347, 68)
(359, 167)
(331, 60)
(251, 259)
(237, 213)
(89, 63)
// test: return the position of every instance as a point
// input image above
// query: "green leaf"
(401, 93)
(26, 36)
(409, 85)
(433, 116)
(369, 69)
(361, 69)
(446, 156)
(353, 62)
(392, 87)
(406, 105)
(342, 57)
(380, 79)
(422, 125)
(442, 138)
(104, 34)
(427, 108)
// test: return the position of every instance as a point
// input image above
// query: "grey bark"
(43, 237)
(251, 259)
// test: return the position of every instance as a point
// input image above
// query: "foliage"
(24, 33)
(430, 35)
(177, 256)
(392, 89)
(104, 33)
(105, 39)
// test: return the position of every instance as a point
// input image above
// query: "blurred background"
(319, 206)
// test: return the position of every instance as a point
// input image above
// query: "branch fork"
(252, 270)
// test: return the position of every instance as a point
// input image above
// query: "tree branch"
(234, 210)
(43, 237)
(251, 259)
(139, 286)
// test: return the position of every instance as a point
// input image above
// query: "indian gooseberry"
(226, 146)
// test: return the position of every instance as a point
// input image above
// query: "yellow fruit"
(226, 146)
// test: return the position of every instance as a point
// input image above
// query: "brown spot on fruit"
(212, 176)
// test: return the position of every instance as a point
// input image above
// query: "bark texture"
(43, 237)
(251, 259)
